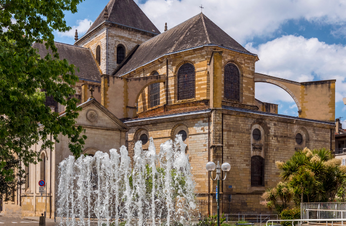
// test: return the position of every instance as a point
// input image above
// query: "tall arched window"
(98, 55)
(43, 167)
(27, 178)
(257, 171)
(120, 54)
(186, 82)
(154, 94)
(231, 82)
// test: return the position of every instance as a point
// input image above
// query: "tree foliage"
(24, 118)
(309, 176)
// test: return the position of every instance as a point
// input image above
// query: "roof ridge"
(183, 36)
(125, 12)
(70, 45)
(205, 28)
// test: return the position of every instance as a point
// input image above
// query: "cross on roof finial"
(201, 8)
(91, 92)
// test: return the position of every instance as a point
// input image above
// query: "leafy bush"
(293, 213)
(212, 221)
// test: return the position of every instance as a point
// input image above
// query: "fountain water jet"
(157, 190)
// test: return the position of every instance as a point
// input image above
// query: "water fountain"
(153, 189)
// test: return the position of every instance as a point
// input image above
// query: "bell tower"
(116, 33)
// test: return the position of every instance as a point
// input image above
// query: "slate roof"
(127, 13)
(195, 32)
(81, 57)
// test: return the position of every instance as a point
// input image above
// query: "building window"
(43, 167)
(257, 171)
(154, 94)
(299, 138)
(231, 82)
(27, 177)
(183, 134)
(186, 82)
(120, 54)
(144, 139)
(98, 55)
(154, 73)
(256, 134)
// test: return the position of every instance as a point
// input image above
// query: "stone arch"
(90, 151)
(176, 129)
(282, 86)
(132, 94)
(147, 85)
(139, 132)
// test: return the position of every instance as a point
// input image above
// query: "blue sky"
(300, 40)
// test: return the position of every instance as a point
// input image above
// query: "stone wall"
(278, 143)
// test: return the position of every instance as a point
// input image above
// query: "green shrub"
(290, 213)
(212, 221)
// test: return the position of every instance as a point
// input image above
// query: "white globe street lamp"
(225, 167)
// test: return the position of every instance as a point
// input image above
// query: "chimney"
(166, 26)
(76, 36)
(105, 15)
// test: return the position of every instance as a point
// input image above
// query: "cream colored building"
(192, 79)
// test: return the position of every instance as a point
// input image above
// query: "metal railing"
(325, 210)
(332, 222)
(325, 214)
(251, 217)
(340, 151)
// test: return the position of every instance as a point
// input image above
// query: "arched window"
(257, 171)
(154, 94)
(98, 55)
(183, 134)
(256, 134)
(231, 82)
(186, 82)
(43, 167)
(120, 54)
(154, 73)
(27, 177)
(299, 138)
(144, 138)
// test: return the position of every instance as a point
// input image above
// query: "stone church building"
(194, 80)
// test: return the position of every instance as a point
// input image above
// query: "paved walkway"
(26, 221)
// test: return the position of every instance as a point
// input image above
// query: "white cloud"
(83, 26)
(301, 59)
(244, 19)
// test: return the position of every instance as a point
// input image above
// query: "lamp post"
(225, 167)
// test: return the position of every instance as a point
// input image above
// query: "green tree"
(24, 118)
(309, 176)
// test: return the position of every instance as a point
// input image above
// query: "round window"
(256, 134)
(183, 134)
(299, 138)
(143, 138)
